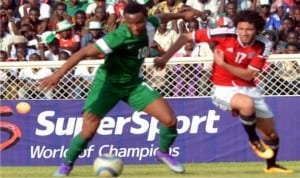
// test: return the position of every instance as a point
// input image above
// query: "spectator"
(75, 5)
(29, 78)
(288, 73)
(272, 19)
(229, 10)
(43, 10)
(53, 50)
(59, 14)
(272, 36)
(288, 5)
(164, 37)
(67, 40)
(109, 8)
(7, 17)
(33, 19)
(67, 86)
(277, 7)
(83, 77)
(27, 31)
(95, 32)
(151, 5)
(8, 85)
(111, 19)
(63, 55)
(287, 26)
(20, 44)
(80, 19)
(101, 16)
(5, 37)
(10, 6)
(169, 6)
(296, 18)
(21, 53)
(292, 37)
(119, 9)
(211, 7)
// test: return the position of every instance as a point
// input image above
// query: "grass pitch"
(195, 170)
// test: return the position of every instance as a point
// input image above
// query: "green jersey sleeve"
(113, 40)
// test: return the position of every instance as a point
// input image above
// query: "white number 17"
(240, 57)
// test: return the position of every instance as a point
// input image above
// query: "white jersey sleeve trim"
(101, 44)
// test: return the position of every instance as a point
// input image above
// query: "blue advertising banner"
(206, 134)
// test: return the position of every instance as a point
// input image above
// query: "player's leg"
(167, 132)
(245, 105)
(79, 143)
(232, 98)
(271, 138)
(96, 106)
(265, 123)
(148, 100)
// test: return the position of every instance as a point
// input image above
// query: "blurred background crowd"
(52, 30)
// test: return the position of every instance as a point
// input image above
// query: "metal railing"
(183, 77)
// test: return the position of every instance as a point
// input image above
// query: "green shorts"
(104, 95)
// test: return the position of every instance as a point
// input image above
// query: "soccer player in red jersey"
(239, 55)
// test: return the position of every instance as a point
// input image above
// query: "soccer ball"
(108, 165)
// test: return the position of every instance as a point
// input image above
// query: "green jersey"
(125, 53)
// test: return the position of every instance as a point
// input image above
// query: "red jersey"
(226, 39)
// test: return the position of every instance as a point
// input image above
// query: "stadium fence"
(182, 77)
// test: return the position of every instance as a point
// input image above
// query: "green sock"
(77, 145)
(167, 138)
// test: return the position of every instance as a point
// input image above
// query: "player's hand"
(159, 64)
(48, 83)
(219, 57)
(189, 14)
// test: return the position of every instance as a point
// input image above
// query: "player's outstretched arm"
(186, 15)
(48, 83)
(160, 62)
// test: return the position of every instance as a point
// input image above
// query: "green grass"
(199, 170)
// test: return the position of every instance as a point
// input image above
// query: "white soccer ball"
(108, 165)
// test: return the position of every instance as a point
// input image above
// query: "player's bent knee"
(169, 123)
(244, 104)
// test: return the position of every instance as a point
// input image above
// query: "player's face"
(246, 33)
(136, 23)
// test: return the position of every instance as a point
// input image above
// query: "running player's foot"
(171, 162)
(63, 170)
(277, 169)
(261, 149)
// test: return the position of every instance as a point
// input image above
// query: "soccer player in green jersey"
(119, 79)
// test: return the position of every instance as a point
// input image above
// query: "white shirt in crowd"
(45, 11)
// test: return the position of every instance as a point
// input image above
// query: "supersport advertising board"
(206, 134)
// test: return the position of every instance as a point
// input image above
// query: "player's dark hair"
(251, 17)
(134, 7)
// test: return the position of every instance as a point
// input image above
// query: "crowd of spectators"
(52, 30)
